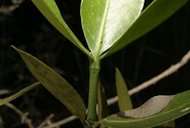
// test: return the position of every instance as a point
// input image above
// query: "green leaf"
(50, 10)
(156, 13)
(18, 94)
(55, 84)
(156, 111)
(120, 16)
(105, 21)
(124, 99)
(170, 124)
(93, 16)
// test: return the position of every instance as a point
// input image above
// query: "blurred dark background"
(22, 25)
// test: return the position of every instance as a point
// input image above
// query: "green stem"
(94, 70)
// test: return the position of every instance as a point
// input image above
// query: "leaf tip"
(15, 48)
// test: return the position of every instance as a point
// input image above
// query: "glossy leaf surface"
(55, 84)
(105, 21)
(120, 16)
(50, 10)
(156, 13)
(178, 106)
(18, 94)
(93, 16)
(124, 99)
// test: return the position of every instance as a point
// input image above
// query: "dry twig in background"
(157, 78)
(6, 10)
(45, 122)
(24, 118)
(61, 122)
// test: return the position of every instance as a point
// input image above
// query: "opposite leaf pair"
(110, 25)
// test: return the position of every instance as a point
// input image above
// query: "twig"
(136, 89)
(157, 78)
(24, 118)
(164, 74)
(6, 10)
(46, 121)
(61, 122)
(4, 92)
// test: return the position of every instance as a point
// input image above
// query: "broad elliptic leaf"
(124, 99)
(156, 13)
(93, 16)
(18, 94)
(156, 111)
(120, 16)
(105, 21)
(55, 84)
(50, 10)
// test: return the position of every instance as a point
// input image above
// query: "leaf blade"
(157, 11)
(124, 99)
(19, 93)
(93, 15)
(55, 84)
(104, 22)
(178, 106)
(51, 12)
(120, 16)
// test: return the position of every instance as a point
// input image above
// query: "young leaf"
(120, 16)
(105, 21)
(174, 107)
(124, 99)
(157, 12)
(18, 94)
(50, 10)
(55, 84)
(93, 16)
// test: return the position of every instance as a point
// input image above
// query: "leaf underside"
(177, 106)
(153, 106)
